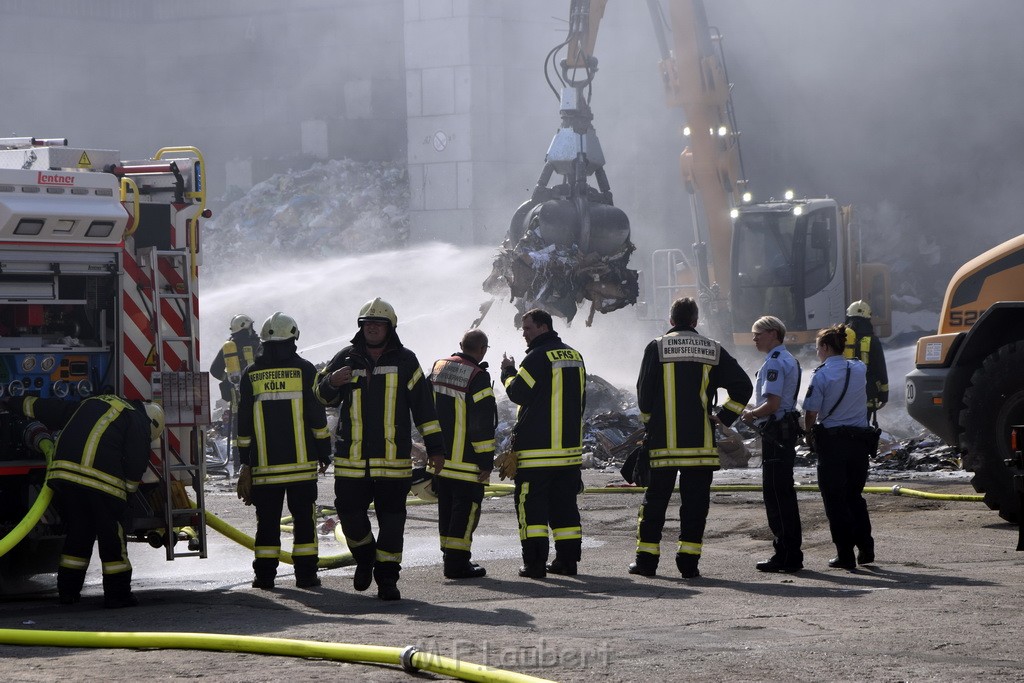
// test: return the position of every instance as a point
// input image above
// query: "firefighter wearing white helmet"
(98, 461)
(380, 391)
(238, 352)
(282, 438)
(379, 310)
(861, 343)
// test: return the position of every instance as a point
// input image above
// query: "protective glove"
(506, 464)
(244, 487)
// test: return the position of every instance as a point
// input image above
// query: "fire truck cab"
(98, 294)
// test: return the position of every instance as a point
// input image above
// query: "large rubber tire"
(992, 404)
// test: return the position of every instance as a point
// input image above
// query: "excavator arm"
(695, 80)
(569, 242)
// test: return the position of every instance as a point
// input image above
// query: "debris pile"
(921, 454)
(334, 207)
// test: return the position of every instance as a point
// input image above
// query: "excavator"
(796, 258)
(968, 383)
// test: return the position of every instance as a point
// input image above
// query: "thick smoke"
(907, 110)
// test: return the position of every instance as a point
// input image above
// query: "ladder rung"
(196, 553)
(176, 339)
(173, 296)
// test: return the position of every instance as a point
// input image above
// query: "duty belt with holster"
(785, 431)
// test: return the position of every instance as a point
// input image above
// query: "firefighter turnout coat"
(282, 427)
(235, 355)
(862, 344)
(680, 375)
(468, 415)
(550, 389)
(374, 433)
(104, 441)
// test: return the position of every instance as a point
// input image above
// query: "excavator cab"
(787, 260)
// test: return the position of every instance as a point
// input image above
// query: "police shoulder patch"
(773, 375)
(776, 354)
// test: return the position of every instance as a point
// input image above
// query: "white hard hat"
(279, 327)
(859, 309)
(155, 413)
(379, 310)
(423, 484)
(240, 322)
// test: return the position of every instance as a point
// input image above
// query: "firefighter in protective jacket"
(379, 389)
(550, 389)
(99, 459)
(237, 353)
(283, 441)
(680, 375)
(862, 344)
(468, 415)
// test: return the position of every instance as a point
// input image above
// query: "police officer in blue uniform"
(835, 419)
(775, 417)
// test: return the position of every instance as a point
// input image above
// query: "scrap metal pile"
(559, 276)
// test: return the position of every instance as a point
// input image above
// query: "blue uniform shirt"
(827, 386)
(780, 376)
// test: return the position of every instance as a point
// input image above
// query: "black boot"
(306, 580)
(644, 565)
(562, 567)
(388, 592)
(687, 565)
(533, 571)
(463, 570)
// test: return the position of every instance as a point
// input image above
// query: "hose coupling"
(406, 659)
(896, 490)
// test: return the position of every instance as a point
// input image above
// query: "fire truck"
(99, 263)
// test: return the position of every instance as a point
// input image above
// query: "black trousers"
(458, 513)
(352, 500)
(269, 500)
(695, 500)
(91, 516)
(546, 498)
(777, 459)
(842, 473)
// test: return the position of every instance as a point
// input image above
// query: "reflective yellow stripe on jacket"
(84, 473)
(672, 455)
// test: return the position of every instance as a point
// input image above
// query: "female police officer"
(838, 428)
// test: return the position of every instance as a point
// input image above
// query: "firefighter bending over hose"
(99, 458)
(283, 442)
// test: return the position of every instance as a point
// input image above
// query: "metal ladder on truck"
(184, 394)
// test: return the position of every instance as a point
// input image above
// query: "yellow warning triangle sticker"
(83, 161)
(151, 357)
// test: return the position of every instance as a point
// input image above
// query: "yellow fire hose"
(35, 513)
(896, 490)
(409, 658)
(27, 523)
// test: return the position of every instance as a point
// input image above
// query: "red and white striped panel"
(140, 358)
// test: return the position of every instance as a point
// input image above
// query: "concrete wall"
(240, 79)
(455, 88)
